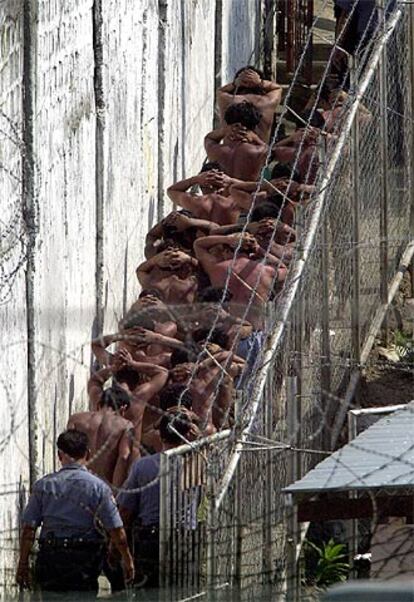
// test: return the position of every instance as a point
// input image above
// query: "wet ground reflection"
(226, 594)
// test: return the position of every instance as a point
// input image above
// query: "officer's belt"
(72, 543)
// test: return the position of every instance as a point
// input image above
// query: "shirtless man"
(248, 194)
(239, 151)
(142, 381)
(180, 229)
(211, 387)
(249, 85)
(300, 149)
(251, 280)
(143, 344)
(210, 309)
(110, 435)
(173, 273)
(272, 235)
(215, 203)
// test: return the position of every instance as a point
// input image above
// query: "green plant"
(404, 345)
(330, 566)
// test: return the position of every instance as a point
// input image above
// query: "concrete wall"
(187, 56)
(14, 467)
(241, 42)
(64, 278)
(121, 94)
(130, 95)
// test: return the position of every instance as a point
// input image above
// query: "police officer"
(139, 499)
(75, 509)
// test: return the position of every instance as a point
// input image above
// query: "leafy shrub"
(330, 567)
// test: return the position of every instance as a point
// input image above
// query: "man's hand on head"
(238, 133)
(177, 220)
(163, 260)
(248, 79)
(120, 357)
(209, 179)
(181, 373)
(138, 335)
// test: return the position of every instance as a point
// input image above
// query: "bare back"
(216, 208)
(174, 286)
(105, 430)
(266, 107)
(250, 282)
(241, 160)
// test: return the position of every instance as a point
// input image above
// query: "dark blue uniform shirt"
(72, 503)
(143, 497)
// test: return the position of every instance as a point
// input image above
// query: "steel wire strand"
(261, 179)
(259, 386)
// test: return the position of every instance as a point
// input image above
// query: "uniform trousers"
(66, 565)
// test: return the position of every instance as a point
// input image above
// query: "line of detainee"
(187, 344)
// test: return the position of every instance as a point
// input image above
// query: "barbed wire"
(334, 358)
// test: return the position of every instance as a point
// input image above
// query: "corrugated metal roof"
(380, 457)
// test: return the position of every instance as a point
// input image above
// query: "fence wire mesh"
(363, 231)
(224, 518)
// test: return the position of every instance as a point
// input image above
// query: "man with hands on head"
(235, 146)
(215, 204)
(249, 85)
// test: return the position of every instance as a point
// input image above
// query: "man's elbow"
(171, 194)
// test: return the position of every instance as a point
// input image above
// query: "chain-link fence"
(356, 240)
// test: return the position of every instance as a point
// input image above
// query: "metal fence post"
(411, 136)
(384, 176)
(211, 533)
(267, 558)
(269, 39)
(324, 319)
(355, 317)
(164, 568)
(292, 573)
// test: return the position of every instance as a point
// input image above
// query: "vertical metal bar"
(309, 52)
(297, 363)
(281, 26)
(211, 524)
(325, 322)
(290, 49)
(269, 44)
(410, 10)
(238, 536)
(353, 524)
(292, 576)
(355, 317)
(164, 521)
(384, 176)
(267, 557)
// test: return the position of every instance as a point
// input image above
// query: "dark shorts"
(62, 568)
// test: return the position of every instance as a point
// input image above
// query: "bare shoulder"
(80, 417)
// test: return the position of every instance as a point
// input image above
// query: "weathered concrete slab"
(241, 36)
(130, 95)
(157, 92)
(187, 54)
(14, 467)
(64, 280)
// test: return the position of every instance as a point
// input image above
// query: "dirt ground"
(386, 382)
